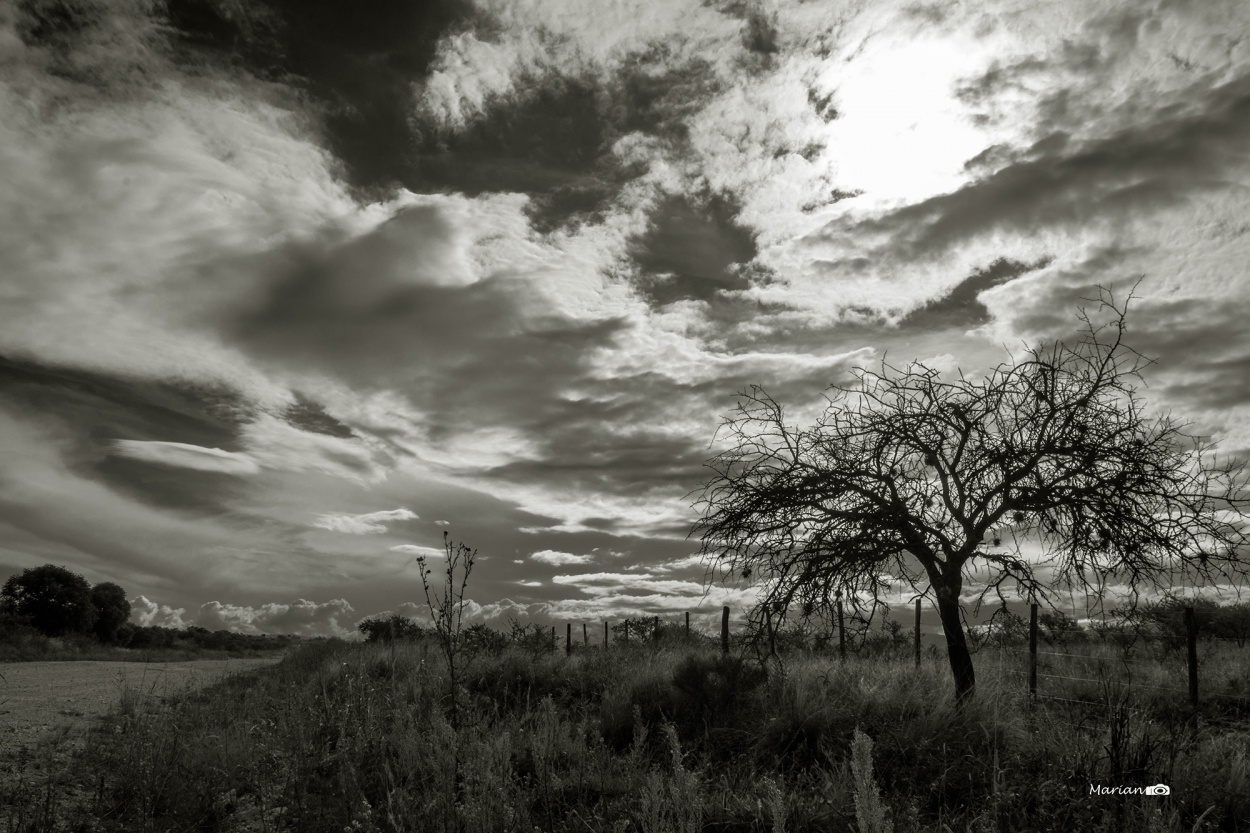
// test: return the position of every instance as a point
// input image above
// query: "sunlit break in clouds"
(290, 289)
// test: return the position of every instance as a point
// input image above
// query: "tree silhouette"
(112, 610)
(54, 600)
(915, 477)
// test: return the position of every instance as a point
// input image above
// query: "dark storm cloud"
(396, 309)
(359, 60)
(1199, 360)
(1050, 311)
(548, 135)
(94, 410)
(309, 415)
(690, 250)
(1199, 347)
(1186, 150)
(552, 135)
(651, 92)
(960, 308)
(589, 445)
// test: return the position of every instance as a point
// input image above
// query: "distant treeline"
(50, 610)
(202, 639)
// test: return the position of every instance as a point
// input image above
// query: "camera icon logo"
(1159, 789)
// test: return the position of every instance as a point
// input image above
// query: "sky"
(290, 288)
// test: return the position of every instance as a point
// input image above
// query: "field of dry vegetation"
(660, 737)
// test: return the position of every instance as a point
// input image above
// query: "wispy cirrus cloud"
(370, 523)
(419, 550)
(188, 456)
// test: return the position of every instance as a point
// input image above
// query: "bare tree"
(915, 477)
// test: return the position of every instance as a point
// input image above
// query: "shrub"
(480, 639)
(712, 689)
(394, 628)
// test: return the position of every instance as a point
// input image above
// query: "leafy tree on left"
(57, 602)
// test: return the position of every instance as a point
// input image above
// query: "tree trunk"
(956, 643)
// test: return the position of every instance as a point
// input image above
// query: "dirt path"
(39, 697)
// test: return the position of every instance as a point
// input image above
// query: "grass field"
(362, 737)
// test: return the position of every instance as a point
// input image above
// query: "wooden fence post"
(917, 633)
(1032, 652)
(605, 634)
(1191, 639)
(724, 630)
(568, 639)
(772, 640)
(687, 626)
(655, 632)
(841, 632)
(553, 639)
(585, 635)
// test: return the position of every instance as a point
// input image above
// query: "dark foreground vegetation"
(663, 736)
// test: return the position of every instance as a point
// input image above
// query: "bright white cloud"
(145, 612)
(187, 456)
(560, 558)
(301, 617)
(902, 135)
(275, 444)
(418, 550)
(370, 523)
(614, 584)
(689, 562)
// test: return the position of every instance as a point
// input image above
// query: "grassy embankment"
(351, 737)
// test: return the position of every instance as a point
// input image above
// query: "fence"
(724, 633)
(1034, 674)
(1189, 689)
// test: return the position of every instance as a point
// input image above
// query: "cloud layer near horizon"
(271, 275)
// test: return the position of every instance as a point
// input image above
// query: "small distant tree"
(914, 476)
(530, 637)
(1232, 622)
(54, 600)
(1058, 628)
(480, 638)
(393, 628)
(112, 610)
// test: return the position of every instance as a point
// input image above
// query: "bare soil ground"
(46, 704)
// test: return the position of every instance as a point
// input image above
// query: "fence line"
(1033, 671)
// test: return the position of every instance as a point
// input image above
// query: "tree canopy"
(53, 599)
(1046, 472)
(57, 602)
(112, 610)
